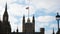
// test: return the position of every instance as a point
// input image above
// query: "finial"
(57, 13)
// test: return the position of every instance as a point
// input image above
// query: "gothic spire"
(5, 15)
(6, 8)
(53, 31)
(23, 19)
(33, 20)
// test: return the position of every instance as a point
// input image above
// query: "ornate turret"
(23, 19)
(33, 21)
(23, 23)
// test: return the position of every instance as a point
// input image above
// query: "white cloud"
(45, 19)
(49, 5)
(53, 26)
(3, 2)
(43, 22)
(44, 3)
(40, 25)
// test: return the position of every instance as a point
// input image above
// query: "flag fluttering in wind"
(27, 7)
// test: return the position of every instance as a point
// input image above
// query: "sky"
(43, 10)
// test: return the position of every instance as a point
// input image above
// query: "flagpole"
(28, 8)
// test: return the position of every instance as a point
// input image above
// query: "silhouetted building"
(28, 27)
(5, 27)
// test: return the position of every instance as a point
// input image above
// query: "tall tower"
(6, 23)
(58, 18)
